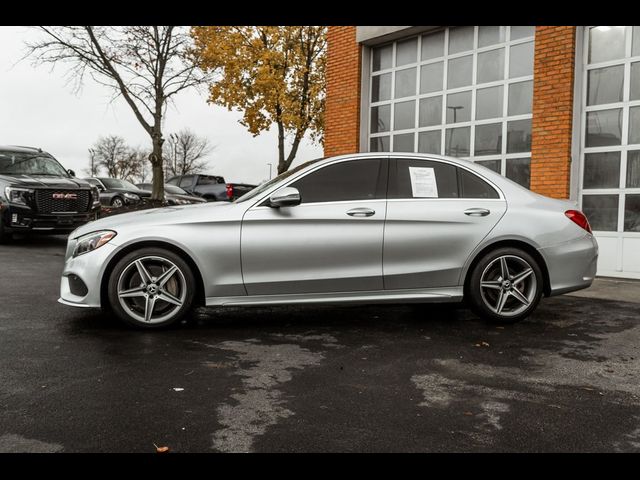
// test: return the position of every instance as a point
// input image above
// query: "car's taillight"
(229, 191)
(579, 218)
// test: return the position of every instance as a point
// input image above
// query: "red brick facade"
(342, 116)
(553, 81)
(552, 103)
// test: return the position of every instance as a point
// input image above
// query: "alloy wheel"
(508, 285)
(151, 289)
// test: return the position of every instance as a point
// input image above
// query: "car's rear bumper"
(571, 265)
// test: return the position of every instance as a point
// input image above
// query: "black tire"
(125, 267)
(514, 309)
(117, 202)
(5, 237)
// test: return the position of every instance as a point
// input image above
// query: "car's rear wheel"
(505, 286)
(151, 288)
(117, 202)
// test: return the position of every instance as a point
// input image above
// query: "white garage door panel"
(608, 255)
(631, 255)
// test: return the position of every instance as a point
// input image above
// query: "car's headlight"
(95, 194)
(132, 196)
(18, 195)
(89, 242)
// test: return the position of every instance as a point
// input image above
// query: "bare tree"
(186, 152)
(146, 65)
(112, 154)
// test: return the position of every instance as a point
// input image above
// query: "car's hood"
(140, 193)
(142, 220)
(189, 198)
(42, 181)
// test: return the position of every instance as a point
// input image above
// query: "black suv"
(38, 195)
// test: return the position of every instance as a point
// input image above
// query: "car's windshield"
(265, 186)
(17, 163)
(117, 183)
(175, 190)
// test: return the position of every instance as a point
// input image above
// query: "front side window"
(209, 180)
(345, 181)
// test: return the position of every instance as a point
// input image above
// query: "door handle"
(477, 212)
(361, 212)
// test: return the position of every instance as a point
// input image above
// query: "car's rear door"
(331, 242)
(431, 228)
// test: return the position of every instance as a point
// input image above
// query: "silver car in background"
(362, 228)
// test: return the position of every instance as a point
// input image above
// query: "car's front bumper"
(84, 272)
(18, 219)
(572, 265)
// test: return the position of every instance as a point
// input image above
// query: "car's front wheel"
(151, 288)
(505, 285)
(117, 202)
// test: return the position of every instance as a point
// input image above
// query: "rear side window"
(344, 181)
(472, 186)
(209, 180)
(415, 178)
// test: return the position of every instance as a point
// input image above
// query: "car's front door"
(437, 213)
(331, 242)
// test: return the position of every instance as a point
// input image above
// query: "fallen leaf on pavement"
(161, 449)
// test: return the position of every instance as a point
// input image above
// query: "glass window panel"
(379, 144)
(407, 52)
(400, 178)
(489, 103)
(431, 77)
(519, 136)
(491, 164)
(601, 170)
(474, 187)
(460, 39)
(459, 107)
(633, 169)
(632, 213)
(403, 143)
(405, 83)
(490, 66)
(491, 35)
(634, 91)
(354, 180)
(429, 142)
(520, 98)
(457, 141)
(459, 73)
(381, 87)
(488, 139)
(634, 125)
(522, 31)
(601, 211)
(380, 118)
(606, 43)
(433, 45)
(635, 48)
(521, 60)
(519, 170)
(404, 115)
(604, 85)
(382, 57)
(430, 111)
(604, 128)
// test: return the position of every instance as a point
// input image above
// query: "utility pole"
(92, 159)
(270, 166)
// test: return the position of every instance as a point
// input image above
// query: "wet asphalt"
(393, 378)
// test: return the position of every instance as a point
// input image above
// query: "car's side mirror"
(71, 172)
(285, 197)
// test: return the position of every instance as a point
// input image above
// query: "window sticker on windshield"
(423, 182)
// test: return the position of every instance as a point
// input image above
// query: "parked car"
(173, 195)
(117, 193)
(210, 187)
(362, 228)
(38, 195)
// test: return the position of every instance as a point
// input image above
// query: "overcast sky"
(38, 108)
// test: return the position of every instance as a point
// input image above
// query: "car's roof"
(20, 149)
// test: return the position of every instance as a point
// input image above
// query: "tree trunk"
(282, 164)
(157, 191)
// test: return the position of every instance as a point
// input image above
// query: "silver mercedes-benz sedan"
(362, 228)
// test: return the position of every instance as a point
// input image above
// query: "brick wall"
(553, 79)
(342, 116)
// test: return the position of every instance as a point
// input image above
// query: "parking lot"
(373, 378)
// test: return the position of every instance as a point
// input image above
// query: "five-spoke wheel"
(505, 285)
(151, 288)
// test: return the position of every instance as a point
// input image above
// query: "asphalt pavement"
(393, 378)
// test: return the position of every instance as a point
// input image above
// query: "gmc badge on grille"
(65, 196)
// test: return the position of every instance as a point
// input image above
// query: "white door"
(610, 146)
